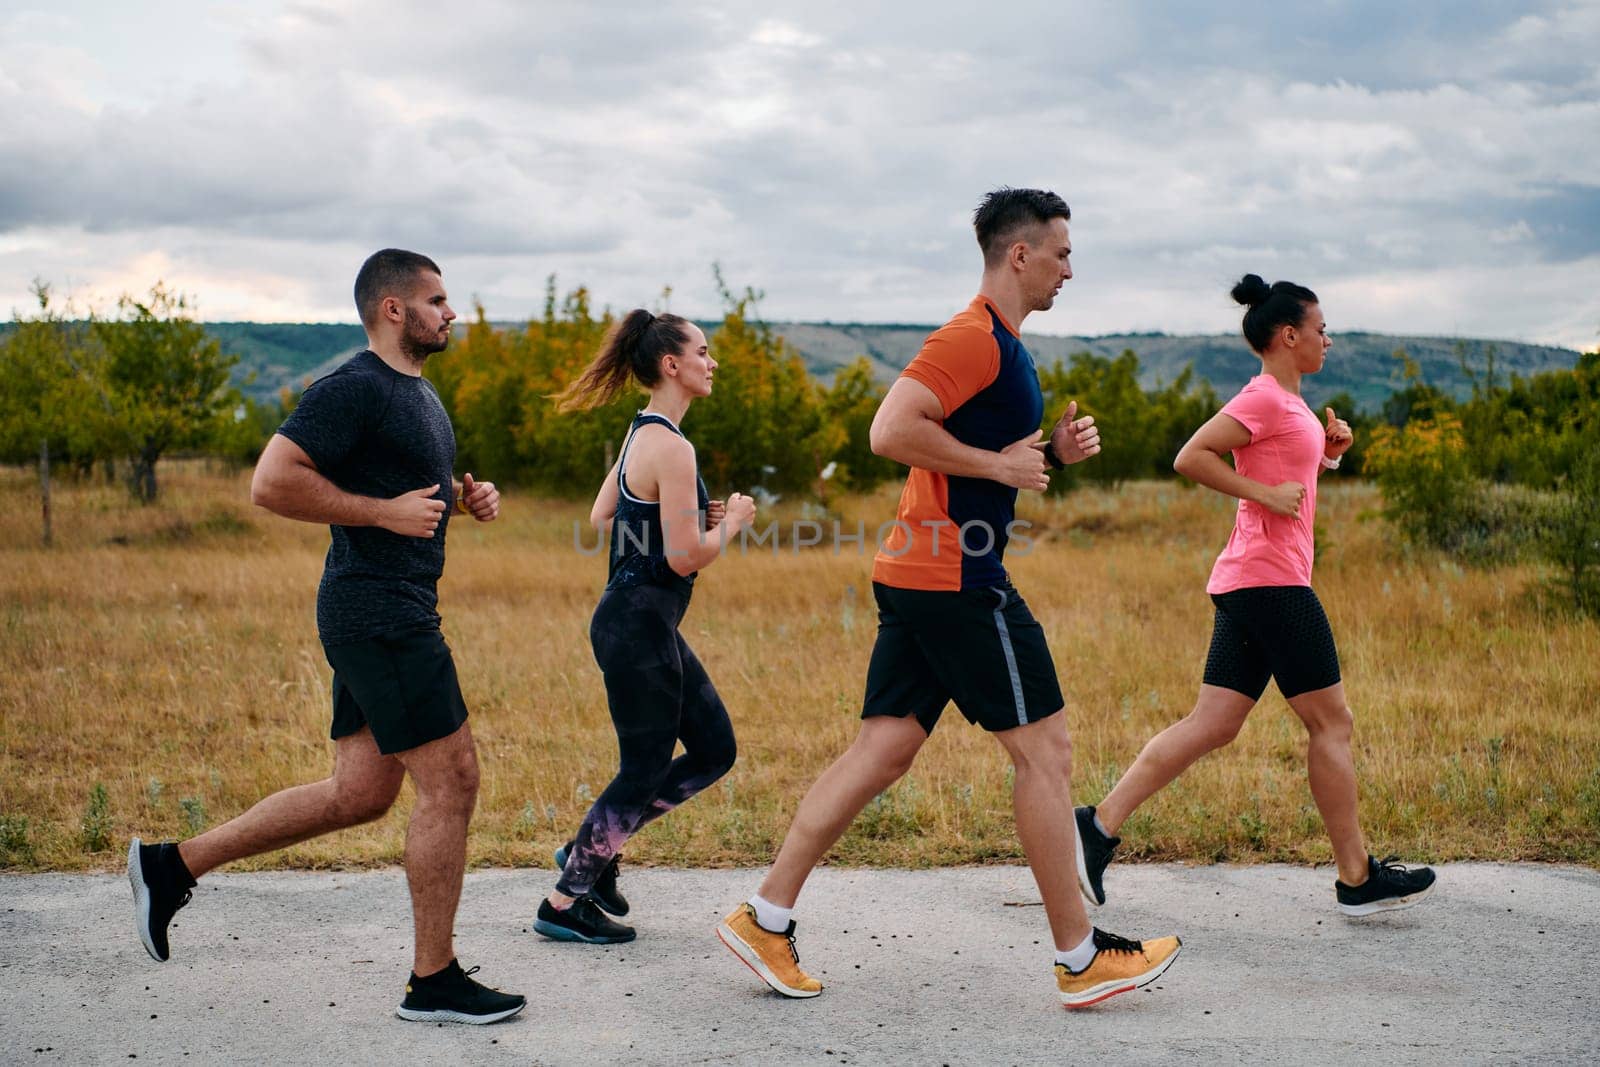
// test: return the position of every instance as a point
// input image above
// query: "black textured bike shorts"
(1271, 631)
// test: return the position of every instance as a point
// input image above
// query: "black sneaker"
(1388, 887)
(161, 885)
(1094, 855)
(604, 891)
(583, 921)
(451, 996)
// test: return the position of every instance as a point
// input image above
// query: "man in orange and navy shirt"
(979, 383)
(965, 416)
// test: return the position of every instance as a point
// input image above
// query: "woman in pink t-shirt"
(1269, 623)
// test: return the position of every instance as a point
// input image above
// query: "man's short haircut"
(1005, 213)
(388, 272)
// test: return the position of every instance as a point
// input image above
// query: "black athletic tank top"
(638, 548)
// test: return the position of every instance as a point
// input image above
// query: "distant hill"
(1362, 364)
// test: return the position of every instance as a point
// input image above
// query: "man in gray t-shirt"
(370, 452)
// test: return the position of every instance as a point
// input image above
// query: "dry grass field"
(168, 654)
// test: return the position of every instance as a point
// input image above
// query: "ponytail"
(632, 349)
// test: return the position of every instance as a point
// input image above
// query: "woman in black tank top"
(660, 517)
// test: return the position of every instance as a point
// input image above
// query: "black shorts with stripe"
(981, 648)
(1271, 631)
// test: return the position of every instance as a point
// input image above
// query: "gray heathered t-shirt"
(376, 432)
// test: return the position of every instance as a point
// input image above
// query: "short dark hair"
(1007, 211)
(388, 272)
(1271, 306)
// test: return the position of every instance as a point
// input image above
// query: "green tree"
(1416, 399)
(1108, 389)
(1144, 428)
(48, 397)
(239, 438)
(166, 378)
(849, 404)
(763, 425)
(1574, 535)
(567, 452)
(1176, 412)
(484, 389)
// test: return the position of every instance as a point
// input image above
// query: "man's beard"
(417, 343)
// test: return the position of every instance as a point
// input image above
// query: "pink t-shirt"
(1286, 445)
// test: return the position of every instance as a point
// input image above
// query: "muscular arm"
(287, 483)
(909, 428)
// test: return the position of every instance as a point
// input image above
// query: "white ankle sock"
(1076, 959)
(1098, 825)
(769, 916)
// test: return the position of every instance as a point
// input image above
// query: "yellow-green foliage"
(767, 423)
(1514, 473)
(169, 653)
(1150, 425)
(1434, 499)
(1422, 467)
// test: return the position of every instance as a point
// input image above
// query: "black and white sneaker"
(1389, 887)
(604, 891)
(451, 996)
(161, 885)
(583, 921)
(1094, 855)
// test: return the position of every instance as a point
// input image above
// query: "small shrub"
(96, 827)
(1498, 524)
(194, 813)
(1254, 826)
(1589, 799)
(15, 848)
(1573, 532)
(891, 814)
(1422, 470)
(1434, 500)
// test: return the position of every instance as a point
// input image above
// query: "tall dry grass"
(170, 653)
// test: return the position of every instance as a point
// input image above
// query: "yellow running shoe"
(1119, 965)
(770, 955)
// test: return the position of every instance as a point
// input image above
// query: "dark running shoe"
(584, 921)
(604, 891)
(1094, 855)
(161, 885)
(1389, 887)
(451, 996)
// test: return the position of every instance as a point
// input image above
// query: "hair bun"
(1251, 290)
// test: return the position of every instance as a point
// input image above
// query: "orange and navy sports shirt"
(951, 532)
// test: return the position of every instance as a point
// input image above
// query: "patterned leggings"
(659, 694)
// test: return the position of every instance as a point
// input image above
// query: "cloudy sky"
(1428, 167)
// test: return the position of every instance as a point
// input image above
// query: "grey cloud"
(1565, 220)
(832, 154)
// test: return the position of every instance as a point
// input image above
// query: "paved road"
(922, 967)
